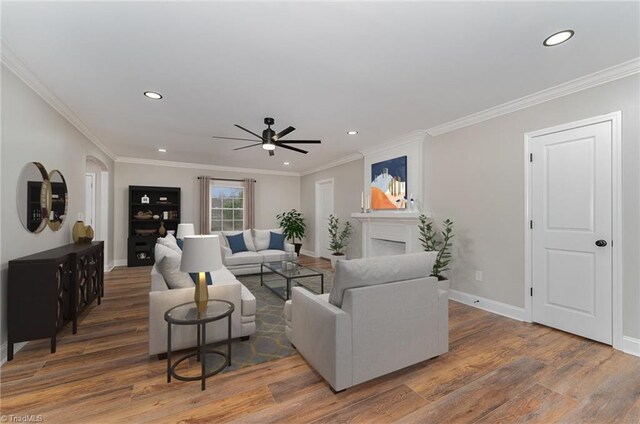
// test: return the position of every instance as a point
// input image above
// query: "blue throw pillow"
(180, 243)
(276, 241)
(194, 277)
(236, 243)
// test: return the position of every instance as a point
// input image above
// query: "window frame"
(222, 184)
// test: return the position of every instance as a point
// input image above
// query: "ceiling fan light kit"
(269, 140)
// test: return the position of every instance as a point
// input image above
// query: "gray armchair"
(383, 314)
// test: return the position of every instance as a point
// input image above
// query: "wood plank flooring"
(497, 371)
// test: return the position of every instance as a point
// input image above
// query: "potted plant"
(338, 238)
(431, 242)
(293, 227)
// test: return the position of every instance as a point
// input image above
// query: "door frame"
(616, 216)
(317, 246)
(92, 198)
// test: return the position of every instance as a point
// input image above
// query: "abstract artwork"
(389, 184)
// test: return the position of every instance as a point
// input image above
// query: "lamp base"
(201, 295)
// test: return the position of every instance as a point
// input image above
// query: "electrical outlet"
(478, 275)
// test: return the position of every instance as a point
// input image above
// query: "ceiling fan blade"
(233, 138)
(271, 153)
(246, 147)
(299, 141)
(283, 133)
(292, 148)
(250, 132)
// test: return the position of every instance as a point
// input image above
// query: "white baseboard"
(119, 262)
(308, 253)
(631, 345)
(110, 267)
(488, 305)
(3, 351)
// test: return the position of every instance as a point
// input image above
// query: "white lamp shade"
(201, 254)
(185, 230)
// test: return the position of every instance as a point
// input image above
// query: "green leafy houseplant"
(431, 241)
(338, 238)
(293, 226)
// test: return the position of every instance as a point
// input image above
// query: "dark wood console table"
(48, 289)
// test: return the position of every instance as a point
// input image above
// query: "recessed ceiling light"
(162, 150)
(558, 38)
(352, 132)
(286, 163)
(153, 95)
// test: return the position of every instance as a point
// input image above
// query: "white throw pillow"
(160, 251)
(262, 238)
(246, 235)
(170, 242)
(169, 268)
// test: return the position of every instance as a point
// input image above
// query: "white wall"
(274, 194)
(348, 186)
(33, 131)
(475, 176)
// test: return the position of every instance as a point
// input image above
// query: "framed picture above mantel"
(389, 184)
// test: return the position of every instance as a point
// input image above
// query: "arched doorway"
(96, 210)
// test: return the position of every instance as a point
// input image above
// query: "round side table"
(188, 314)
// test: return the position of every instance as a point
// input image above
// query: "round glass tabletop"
(188, 313)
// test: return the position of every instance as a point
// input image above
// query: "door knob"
(601, 243)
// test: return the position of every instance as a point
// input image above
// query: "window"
(227, 206)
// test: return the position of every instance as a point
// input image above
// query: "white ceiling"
(384, 69)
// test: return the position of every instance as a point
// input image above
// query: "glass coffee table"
(291, 273)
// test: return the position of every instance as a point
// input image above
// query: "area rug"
(269, 342)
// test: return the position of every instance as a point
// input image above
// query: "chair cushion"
(236, 243)
(262, 237)
(248, 238)
(379, 270)
(244, 258)
(276, 241)
(273, 255)
(169, 268)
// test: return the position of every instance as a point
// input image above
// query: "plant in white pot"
(338, 238)
(432, 242)
(293, 227)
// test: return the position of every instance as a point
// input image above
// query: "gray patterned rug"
(269, 342)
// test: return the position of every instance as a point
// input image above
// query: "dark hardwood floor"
(497, 371)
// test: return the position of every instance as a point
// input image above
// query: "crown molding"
(191, 165)
(345, 159)
(604, 76)
(394, 143)
(17, 66)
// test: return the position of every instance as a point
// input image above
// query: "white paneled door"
(571, 235)
(324, 208)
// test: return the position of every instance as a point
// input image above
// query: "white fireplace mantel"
(388, 233)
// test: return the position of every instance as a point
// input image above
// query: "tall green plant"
(338, 238)
(292, 224)
(431, 242)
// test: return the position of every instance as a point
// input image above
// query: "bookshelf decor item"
(153, 212)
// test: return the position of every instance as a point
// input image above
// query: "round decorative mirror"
(58, 199)
(32, 195)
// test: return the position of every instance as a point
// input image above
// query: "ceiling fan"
(269, 139)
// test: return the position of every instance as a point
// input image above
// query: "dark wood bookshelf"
(140, 248)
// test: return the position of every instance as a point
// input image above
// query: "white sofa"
(383, 314)
(257, 242)
(225, 286)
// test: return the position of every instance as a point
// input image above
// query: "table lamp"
(185, 230)
(201, 254)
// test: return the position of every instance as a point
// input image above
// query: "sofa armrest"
(184, 336)
(289, 247)
(226, 252)
(321, 332)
